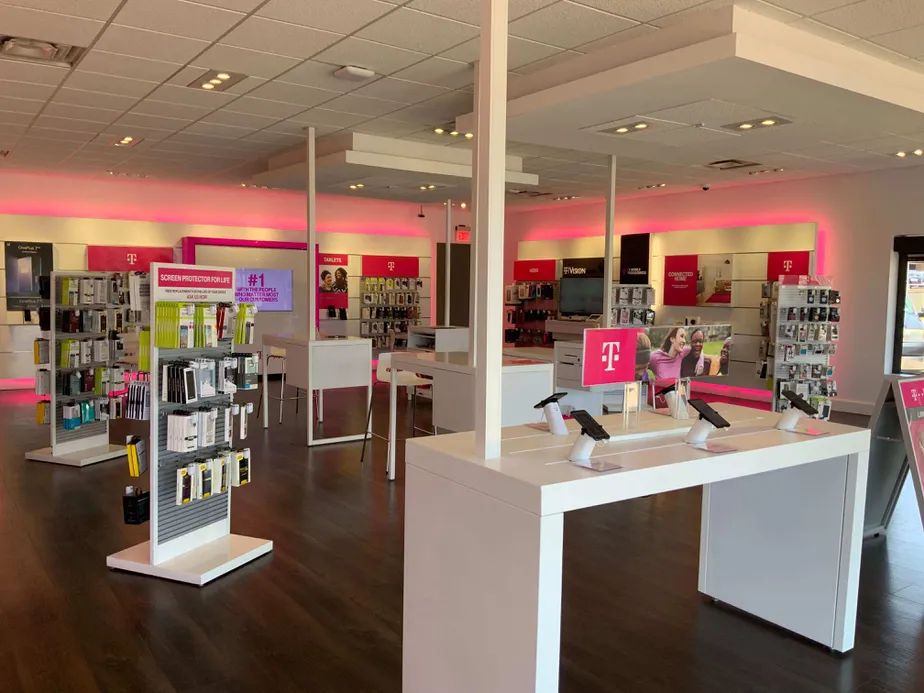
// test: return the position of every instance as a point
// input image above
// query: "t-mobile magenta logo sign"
(610, 355)
(787, 265)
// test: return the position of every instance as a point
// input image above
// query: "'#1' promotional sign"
(192, 283)
(609, 356)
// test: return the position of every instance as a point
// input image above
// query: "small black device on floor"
(136, 505)
(708, 413)
(590, 426)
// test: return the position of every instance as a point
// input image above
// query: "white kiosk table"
(335, 363)
(525, 382)
(782, 526)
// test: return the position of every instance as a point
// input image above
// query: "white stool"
(279, 354)
(383, 375)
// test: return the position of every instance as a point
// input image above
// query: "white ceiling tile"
(187, 75)
(236, 5)
(773, 11)
(363, 105)
(621, 37)
(293, 93)
(326, 117)
(18, 71)
(441, 72)
(400, 90)
(341, 16)
(62, 110)
(243, 120)
(244, 61)
(387, 127)
(320, 75)
(55, 134)
(245, 85)
(568, 25)
(273, 109)
(824, 31)
(178, 17)
(436, 111)
(80, 97)
(909, 41)
(49, 26)
(641, 10)
(216, 130)
(11, 118)
(90, 9)
(874, 17)
(418, 31)
(520, 52)
(884, 145)
(127, 66)
(44, 121)
(8, 103)
(809, 8)
(145, 120)
(170, 110)
(289, 127)
(191, 97)
(194, 139)
(276, 138)
(107, 84)
(369, 54)
(469, 11)
(545, 63)
(280, 38)
(141, 43)
(26, 90)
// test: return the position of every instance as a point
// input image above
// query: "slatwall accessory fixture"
(189, 543)
(88, 443)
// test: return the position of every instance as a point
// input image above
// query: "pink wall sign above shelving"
(125, 258)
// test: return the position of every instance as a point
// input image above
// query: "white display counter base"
(782, 528)
(79, 458)
(196, 567)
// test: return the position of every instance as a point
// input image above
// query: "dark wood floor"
(322, 613)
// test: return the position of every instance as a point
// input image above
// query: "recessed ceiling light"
(469, 135)
(745, 126)
(640, 126)
(919, 152)
(622, 130)
(215, 80)
(438, 131)
(464, 205)
(769, 121)
(778, 170)
(208, 85)
(124, 141)
(423, 187)
(662, 185)
(766, 121)
(431, 187)
(454, 133)
(223, 76)
(360, 185)
(901, 154)
(352, 187)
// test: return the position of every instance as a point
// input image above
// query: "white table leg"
(265, 358)
(392, 423)
(320, 406)
(785, 546)
(482, 591)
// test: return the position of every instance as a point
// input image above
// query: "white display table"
(335, 363)
(782, 525)
(525, 382)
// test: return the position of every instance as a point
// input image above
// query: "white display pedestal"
(79, 458)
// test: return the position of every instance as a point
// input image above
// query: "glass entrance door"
(912, 340)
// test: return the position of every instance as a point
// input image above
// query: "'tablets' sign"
(609, 356)
(268, 289)
(680, 274)
(193, 283)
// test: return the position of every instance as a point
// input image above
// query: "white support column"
(473, 238)
(447, 255)
(608, 247)
(312, 242)
(490, 169)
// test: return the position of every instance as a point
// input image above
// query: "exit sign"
(463, 234)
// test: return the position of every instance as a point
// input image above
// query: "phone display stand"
(698, 437)
(789, 421)
(677, 400)
(631, 404)
(582, 448)
(555, 420)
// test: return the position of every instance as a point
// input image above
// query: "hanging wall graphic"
(333, 280)
(25, 263)
(698, 280)
(587, 267)
(270, 290)
(123, 258)
(680, 280)
(634, 255)
(788, 262)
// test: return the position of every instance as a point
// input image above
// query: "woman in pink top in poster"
(665, 362)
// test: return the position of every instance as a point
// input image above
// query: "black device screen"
(708, 413)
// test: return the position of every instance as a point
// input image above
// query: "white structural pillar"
(312, 242)
(447, 255)
(473, 260)
(608, 247)
(490, 171)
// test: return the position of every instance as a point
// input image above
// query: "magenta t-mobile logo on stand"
(609, 356)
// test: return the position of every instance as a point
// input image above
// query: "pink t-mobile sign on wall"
(609, 356)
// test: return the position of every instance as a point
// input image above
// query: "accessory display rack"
(189, 543)
(88, 443)
(801, 322)
(528, 304)
(388, 304)
(632, 305)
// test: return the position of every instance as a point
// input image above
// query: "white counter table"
(334, 363)
(782, 526)
(525, 382)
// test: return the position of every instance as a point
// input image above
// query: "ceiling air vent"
(35, 51)
(527, 193)
(730, 164)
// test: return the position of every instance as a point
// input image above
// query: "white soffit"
(387, 168)
(690, 80)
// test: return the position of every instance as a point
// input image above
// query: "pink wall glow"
(146, 200)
